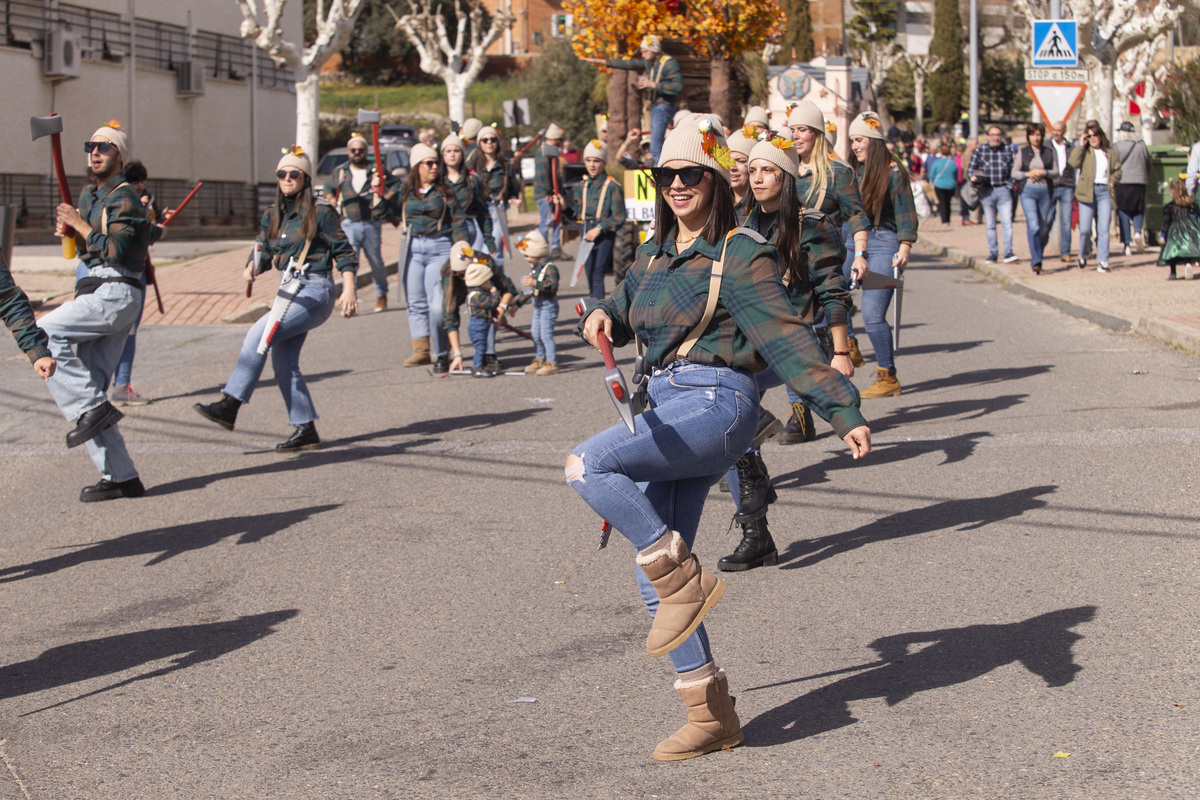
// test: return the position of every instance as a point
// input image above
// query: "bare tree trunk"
(456, 95)
(720, 100)
(1105, 111)
(885, 117)
(633, 101)
(308, 111)
(618, 120)
(919, 96)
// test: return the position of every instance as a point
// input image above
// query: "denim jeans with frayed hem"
(422, 279)
(700, 421)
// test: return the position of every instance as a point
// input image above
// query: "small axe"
(52, 126)
(372, 117)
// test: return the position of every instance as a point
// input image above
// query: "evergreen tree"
(946, 85)
(797, 43)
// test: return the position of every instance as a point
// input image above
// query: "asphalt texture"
(999, 601)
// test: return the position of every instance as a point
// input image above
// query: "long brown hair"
(1179, 195)
(306, 207)
(791, 255)
(873, 183)
(414, 181)
(721, 216)
(479, 165)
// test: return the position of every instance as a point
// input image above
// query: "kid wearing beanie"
(543, 280)
(602, 213)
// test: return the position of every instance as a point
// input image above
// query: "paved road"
(1009, 576)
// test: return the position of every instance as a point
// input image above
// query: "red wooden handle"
(179, 207)
(378, 158)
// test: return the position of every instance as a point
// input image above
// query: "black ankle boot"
(223, 412)
(303, 438)
(768, 426)
(754, 485)
(799, 427)
(757, 548)
(441, 365)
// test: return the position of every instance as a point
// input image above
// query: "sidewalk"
(1135, 296)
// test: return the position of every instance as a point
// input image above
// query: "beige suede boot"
(534, 366)
(856, 357)
(420, 353)
(686, 591)
(712, 724)
(886, 384)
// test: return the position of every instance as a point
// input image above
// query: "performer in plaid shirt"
(991, 172)
(702, 348)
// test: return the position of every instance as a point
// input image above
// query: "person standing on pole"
(663, 82)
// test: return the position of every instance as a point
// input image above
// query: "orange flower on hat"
(596, 143)
(829, 126)
(115, 124)
(871, 121)
(782, 144)
(295, 150)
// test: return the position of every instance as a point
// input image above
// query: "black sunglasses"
(355, 150)
(489, 140)
(103, 148)
(689, 176)
(294, 174)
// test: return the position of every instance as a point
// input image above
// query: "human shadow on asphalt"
(963, 515)
(945, 347)
(964, 409)
(956, 449)
(263, 383)
(166, 543)
(979, 377)
(185, 645)
(427, 427)
(951, 656)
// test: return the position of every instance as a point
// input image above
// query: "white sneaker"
(1128, 252)
(1010, 258)
(1102, 266)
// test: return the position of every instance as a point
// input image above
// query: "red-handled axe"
(52, 126)
(373, 117)
(614, 381)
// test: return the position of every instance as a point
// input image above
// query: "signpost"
(1055, 43)
(1055, 87)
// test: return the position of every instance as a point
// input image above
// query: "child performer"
(602, 212)
(543, 279)
(483, 302)
(457, 292)
(1180, 231)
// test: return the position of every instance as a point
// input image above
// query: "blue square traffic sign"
(1055, 43)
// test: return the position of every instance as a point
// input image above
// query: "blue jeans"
(1125, 218)
(1039, 210)
(700, 421)
(124, 374)
(997, 200)
(661, 117)
(87, 336)
(423, 288)
(550, 232)
(598, 262)
(882, 246)
(1101, 209)
(497, 233)
(478, 330)
(1064, 200)
(312, 306)
(545, 314)
(367, 241)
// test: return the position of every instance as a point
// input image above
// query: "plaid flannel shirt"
(450, 305)
(17, 314)
(431, 216)
(472, 197)
(329, 247)
(362, 207)
(663, 70)
(545, 279)
(822, 294)
(900, 214)
(502, 181)
(610, 218)
(994, 163)
(125, 246)
(482, 303)
(542, 185)
(662, 299)
(842, 201)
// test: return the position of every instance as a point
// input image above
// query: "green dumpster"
(1167, 161)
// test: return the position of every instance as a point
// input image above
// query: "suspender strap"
(104, 213)
(710, 308)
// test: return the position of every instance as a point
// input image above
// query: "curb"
(1166, 331)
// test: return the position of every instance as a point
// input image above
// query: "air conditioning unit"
(189, 78)
(62, 54)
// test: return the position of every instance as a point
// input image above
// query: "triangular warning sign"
(1055, 100)
(1055, 46)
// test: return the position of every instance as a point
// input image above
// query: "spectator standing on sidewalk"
(991, 172)
(943, 173)
(662, 82)
(1064, 189)
(1097, 170)
(351, 189)
(962, 157)
(1035, 171)
(1134, 158)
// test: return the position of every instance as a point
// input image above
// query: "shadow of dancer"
(970, 514)
(1041, 644)
(956, 449)
(186, 646)
(168, 542)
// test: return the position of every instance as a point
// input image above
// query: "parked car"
(395, 161)
(397, 134)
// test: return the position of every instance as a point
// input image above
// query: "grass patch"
(485, 98)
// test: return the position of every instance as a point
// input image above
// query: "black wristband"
(841, 352)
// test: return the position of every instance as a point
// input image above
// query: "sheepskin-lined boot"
(686, 591)
(420, 353)
(712, 724)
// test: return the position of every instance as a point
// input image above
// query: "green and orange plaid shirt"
(127, 242)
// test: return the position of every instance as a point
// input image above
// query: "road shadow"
(166, 543)
(186, 646)
(979, 377)
(263, 384)
(963, 409)
(1041, 644)
(944, 347)
(431, 427)
(963, 515)
(956, 449)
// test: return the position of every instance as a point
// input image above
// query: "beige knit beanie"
(740, 142)
(486, 131)
(461, 256)
(357, 137)
(596, 149)
(112, 132)
(779, 152)
(553, 132)
(453, 141)
(295, 158)
(533, 245)
(478, 275)
(421, 152)
(470, 128)
(757, 115)
(807, 114)
(867, 124)
(651, 43)
(698, 140)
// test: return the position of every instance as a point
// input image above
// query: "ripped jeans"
(700, 421)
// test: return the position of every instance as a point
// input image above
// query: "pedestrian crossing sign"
(1055, 43)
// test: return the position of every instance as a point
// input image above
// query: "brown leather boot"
(420, 354)
(855, 354)
(886, 384)
(534, 366)
(686, 591)
(712, 724)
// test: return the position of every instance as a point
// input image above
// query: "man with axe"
(87, 334)
(547, 190)
(360, 192)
